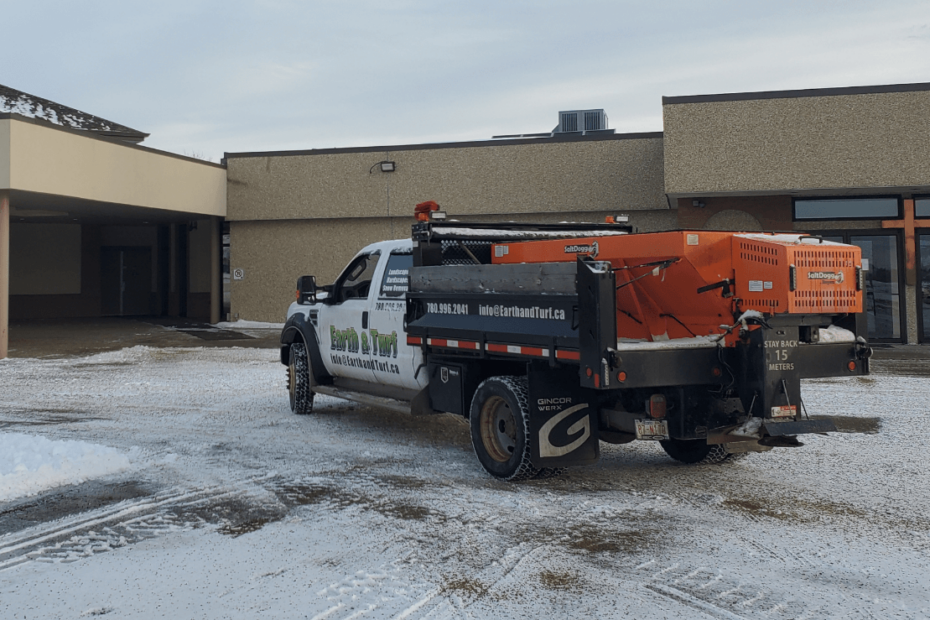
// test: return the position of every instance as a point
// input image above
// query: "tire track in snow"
(706, 589)
(110, 527)
(387, 592)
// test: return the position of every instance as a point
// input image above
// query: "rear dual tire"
(499, 418)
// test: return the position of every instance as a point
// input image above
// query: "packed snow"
(835, 333)
(31, 463)
(236, 508)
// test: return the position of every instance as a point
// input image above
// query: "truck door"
(346, 349)
(396, 362)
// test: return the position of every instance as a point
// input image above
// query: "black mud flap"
(563, 421)
(780, 429)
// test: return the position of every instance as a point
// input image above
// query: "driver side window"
(355, 281)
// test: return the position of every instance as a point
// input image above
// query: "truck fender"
(298, 329)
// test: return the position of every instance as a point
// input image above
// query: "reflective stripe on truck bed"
(495, 347)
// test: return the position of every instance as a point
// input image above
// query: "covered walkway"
(94, 225)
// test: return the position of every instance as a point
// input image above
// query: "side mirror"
(306, 289)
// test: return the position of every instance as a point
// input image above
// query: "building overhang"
(52, 172)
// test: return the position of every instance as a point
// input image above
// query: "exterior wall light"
(386, 166)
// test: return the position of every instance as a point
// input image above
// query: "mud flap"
(800, 427)
(563, 421)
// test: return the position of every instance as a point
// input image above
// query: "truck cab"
(352, 332)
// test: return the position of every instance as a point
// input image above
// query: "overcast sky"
(206, 78)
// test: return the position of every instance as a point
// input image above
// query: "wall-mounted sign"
(238, 274)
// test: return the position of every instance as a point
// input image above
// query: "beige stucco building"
(88, 213)
(294, 212)
(846, 163)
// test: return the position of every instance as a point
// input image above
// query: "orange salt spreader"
(689, 283)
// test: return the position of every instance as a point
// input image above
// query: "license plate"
(651, 429)
(786, 411)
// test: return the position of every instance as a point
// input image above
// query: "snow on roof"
(17, 102)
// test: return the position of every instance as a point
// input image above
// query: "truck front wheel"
(499, 418)
(696, 451)
(298, 380)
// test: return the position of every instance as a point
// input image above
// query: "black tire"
(696, 451)
(298, 380)
(499, 420)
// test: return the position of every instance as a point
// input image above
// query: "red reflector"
(597, 380)
(621, 376)
(717, 371)
(656, 405)
(588, 372)
(851, 365)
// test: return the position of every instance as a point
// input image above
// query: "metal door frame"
(921, 338)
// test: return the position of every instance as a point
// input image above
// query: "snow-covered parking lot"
(195, 493)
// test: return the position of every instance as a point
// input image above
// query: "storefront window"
(846, 208)
(922, 207)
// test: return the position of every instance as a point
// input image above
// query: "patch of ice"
(30, 464)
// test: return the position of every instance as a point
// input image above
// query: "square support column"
(216, 269)
(4, 274)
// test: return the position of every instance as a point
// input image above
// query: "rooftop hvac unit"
(580, 121)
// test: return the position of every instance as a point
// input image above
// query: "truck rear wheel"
(298, 380)
(499, 419)
(694, 451)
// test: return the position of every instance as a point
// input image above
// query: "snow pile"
(30, 464)
(835, 333)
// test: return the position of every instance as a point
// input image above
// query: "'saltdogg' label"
(591, 249)
(827, 276)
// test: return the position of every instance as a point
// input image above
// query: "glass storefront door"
(883, 283)
(923, 283)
